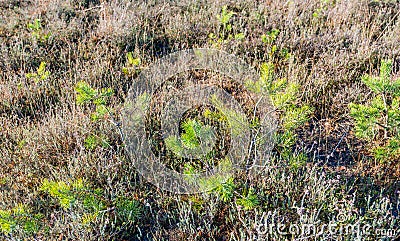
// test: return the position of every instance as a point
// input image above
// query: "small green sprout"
(40, 75)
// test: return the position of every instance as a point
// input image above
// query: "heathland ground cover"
(331, 69)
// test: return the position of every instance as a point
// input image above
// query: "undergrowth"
(330, 69)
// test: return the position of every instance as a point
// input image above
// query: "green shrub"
(270, 37)
(285, 99)
(80, 197)
(132, 65)
(248, 200)
(269, 40)
(196, 135)
(128, 210)
(76, 195)
(378, 120)
(225, 31)
(86, 95)
(37, 31)
(222, 187)
(93, 141)
(40, 75)
(19, 217)
(66, 194)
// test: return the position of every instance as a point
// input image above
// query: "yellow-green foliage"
(193, 140)
(235, 120)
(86, 95)
(248, 200)
(284, 98)
(378, 121)
(79, 196)
(74, 193)
(221, 186)
(132, 66)
(65, 193)
(93, 141)
(225, 32)
(37, 31)
(41, 73)
(128, 210)
(270, 36)
(19, 217)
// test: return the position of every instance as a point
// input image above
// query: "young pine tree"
(378, 121)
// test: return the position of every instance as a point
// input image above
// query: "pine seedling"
(88, 95)
(40, 75)
(223, 188)
(224, 33)
(128, 210)
(284, 97)
(19, 217)
(132, 66)
(378, 121)
(248, 200)
(74, 195)
(37, 32)
(93, 141)
(61, 191)
(269, 40)
(195, 140)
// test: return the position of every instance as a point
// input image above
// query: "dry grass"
(43, 130)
